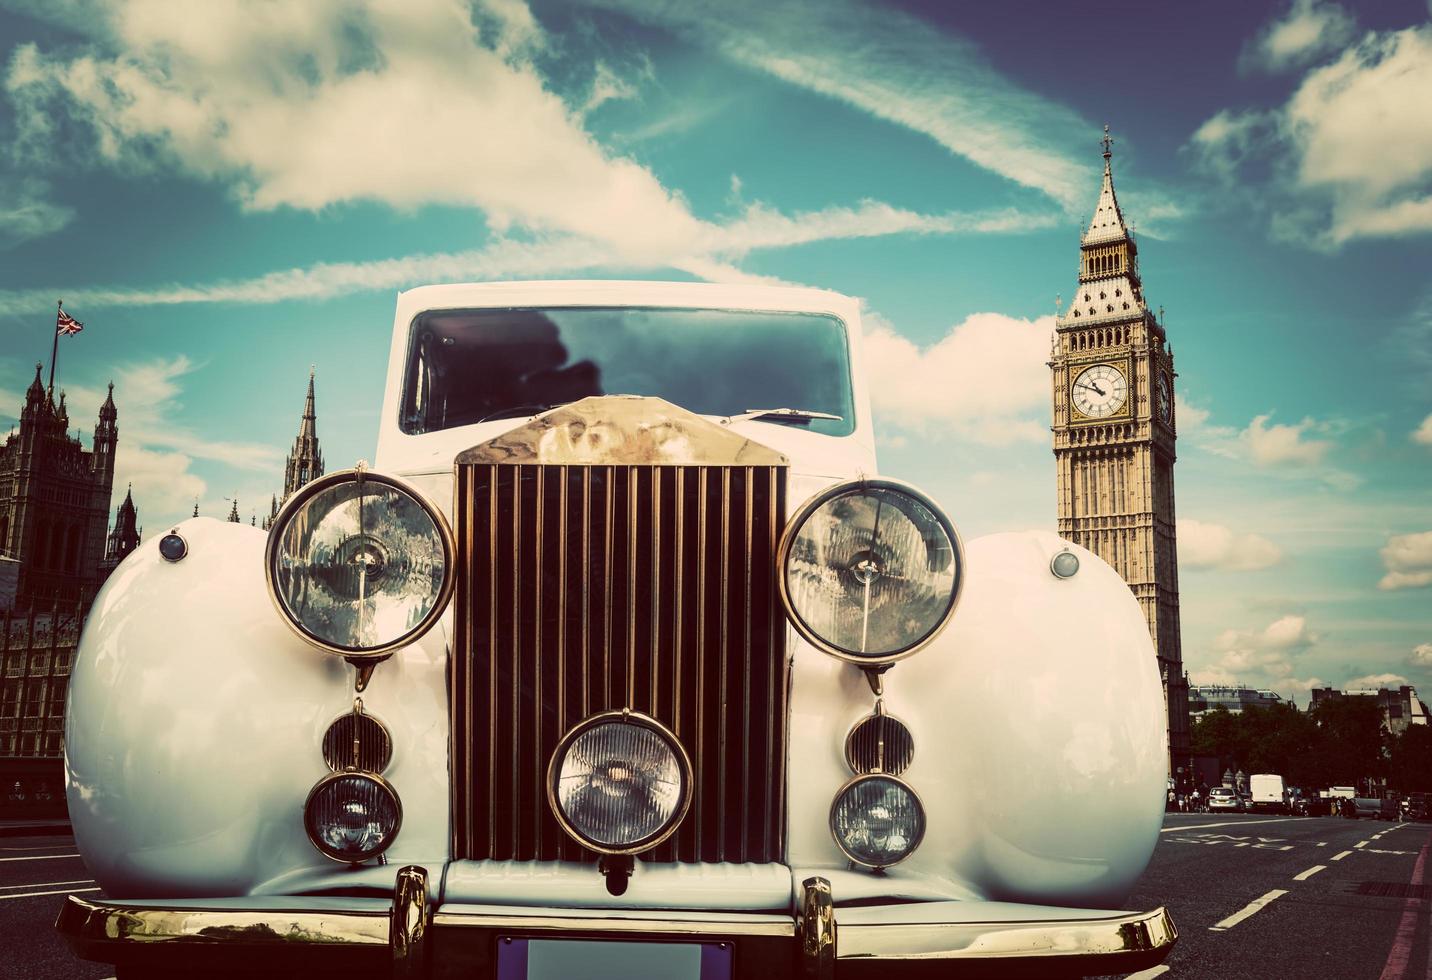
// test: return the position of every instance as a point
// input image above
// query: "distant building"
(124, 537)
(54, 501)
(36, 652)
(1203, 698)
(305, 460)
(1401, 708)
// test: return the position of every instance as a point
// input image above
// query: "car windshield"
(467, 366)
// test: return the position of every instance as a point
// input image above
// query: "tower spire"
(305, 461)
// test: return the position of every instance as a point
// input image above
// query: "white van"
(1269, 792)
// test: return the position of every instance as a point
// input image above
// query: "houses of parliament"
(57, 547)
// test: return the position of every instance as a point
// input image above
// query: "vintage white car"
(620, 660)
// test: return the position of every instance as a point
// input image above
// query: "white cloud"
(1260, 658)
(1310, 28)
(761, 226)
(986, 380)
(1279, 445)
(1408, 561)
(1423, 433)
(898, 68)
(310, 105)
(1421, 655)
(1206, 545)
(1350, 153)
(25, 213)
(1371, 682)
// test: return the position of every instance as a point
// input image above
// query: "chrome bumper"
(408, 939)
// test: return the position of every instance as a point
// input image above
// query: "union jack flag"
(65, 325)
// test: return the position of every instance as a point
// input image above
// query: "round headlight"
(870, 571)
(619, 782)
(352, 816)
(360, 563)
(877, 820)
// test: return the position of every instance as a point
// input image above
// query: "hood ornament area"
(622, 430)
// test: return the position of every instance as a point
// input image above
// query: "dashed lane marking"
(1321, 843)
(1248, 910)
(62, 891)
(1226, 823)
(1150, 973)
(1339, 857)
(1310, 872)
(41, 857)
(1361, 844)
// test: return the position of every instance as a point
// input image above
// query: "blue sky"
(227, 193)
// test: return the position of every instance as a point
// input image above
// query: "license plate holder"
(526, 958)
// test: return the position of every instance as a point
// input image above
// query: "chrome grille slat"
(608, 586)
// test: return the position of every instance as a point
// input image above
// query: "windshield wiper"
(521, 411)
(783, 416)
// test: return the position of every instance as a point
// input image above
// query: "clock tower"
(1114, 432)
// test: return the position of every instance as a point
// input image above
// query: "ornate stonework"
(1114, 434)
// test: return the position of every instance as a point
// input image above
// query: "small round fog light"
(1064, 565)
(173, 547)
(352, 816)
(877, 820)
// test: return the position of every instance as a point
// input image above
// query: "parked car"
(1224, 798)
(620, 637)
(1418, 807)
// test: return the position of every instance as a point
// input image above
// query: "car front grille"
(587, 588)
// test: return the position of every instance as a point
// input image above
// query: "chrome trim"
(816, 930)
(793, 527)
(884, 762)
(622, 430)
(95, 926)
(633, 718)
(408, 925)
(116, 932)
(865, 778)
(383, 784)
(362, 474)
(1146, 933)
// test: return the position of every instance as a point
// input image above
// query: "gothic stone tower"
(54, 499)
(1114, 437)
(305, 460)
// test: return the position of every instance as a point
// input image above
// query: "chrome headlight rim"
(683, 761)
(310, 490)
(334, 777)
(792, 531)
(869, 777)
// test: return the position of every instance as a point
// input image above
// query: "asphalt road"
(1253, 896)
(1266, 896)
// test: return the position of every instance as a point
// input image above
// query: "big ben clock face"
(1165, 397)
(1100, 391)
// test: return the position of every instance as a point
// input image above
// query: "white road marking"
(62, 891)
(48, 884)
(1339, 857)
(1226, 823)
(1150, 973)
(41, 857)
(1374, 850)
(1310, 872)
(1248, 910)
(1360, 844)
(1321, 843)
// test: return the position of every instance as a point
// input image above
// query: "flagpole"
(55, 347)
